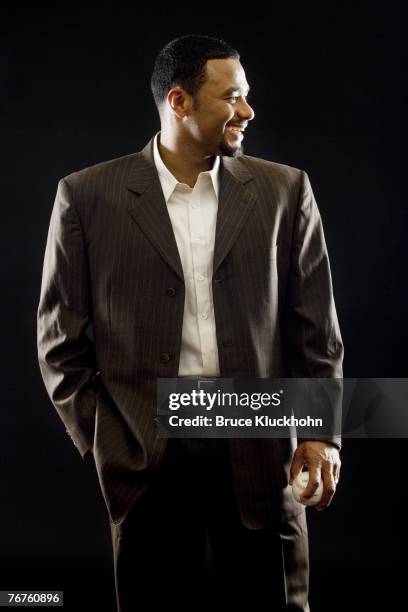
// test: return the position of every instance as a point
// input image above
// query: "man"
(191, 259)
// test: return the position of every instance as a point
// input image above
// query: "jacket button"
(170, 291)
(164, 357)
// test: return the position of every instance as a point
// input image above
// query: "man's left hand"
(323, 462)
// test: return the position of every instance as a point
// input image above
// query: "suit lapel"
(149, 209)
(235, 203)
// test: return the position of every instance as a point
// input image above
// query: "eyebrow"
(232, 90)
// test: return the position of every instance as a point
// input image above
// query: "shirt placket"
(200, 249)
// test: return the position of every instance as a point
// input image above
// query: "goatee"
(229, 151)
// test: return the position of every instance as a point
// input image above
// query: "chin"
(228, 151)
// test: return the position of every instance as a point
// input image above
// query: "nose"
(245, 110)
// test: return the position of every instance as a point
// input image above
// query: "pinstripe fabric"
(110, 257)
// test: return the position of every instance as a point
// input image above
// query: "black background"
(327, 90)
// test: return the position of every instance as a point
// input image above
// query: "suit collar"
(149, 209)
(144, 170)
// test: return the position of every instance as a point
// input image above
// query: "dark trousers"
(183, 543)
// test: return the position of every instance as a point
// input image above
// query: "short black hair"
(183, 62)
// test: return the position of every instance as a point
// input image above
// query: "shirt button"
(200, 277)
(194, 205)
(204, 315)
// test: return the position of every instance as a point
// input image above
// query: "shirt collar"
(169, 182)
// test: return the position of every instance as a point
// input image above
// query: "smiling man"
(191, 260)
(210, 121)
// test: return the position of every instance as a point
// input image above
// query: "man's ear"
(179, 101)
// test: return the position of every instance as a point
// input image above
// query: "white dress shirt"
(193, 215)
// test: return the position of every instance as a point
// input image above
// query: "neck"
(182, 158)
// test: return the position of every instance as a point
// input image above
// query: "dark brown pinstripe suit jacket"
(111, 258)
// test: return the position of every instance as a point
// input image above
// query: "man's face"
(219, 105)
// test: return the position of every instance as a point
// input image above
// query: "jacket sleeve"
(314, 346)
(66, 355)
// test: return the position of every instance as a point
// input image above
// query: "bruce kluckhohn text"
(251, 421)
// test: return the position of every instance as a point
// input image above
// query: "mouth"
(235, 131)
